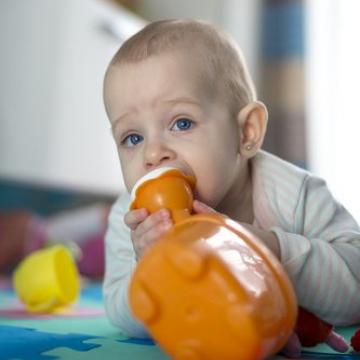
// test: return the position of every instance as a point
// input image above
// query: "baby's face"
(160, 117)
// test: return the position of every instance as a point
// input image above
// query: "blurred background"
(59, 170)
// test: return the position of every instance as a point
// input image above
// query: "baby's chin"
(186, 170)
(198, 195)
(207, 196)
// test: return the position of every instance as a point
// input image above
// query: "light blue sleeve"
(120, 264)
(322, 254)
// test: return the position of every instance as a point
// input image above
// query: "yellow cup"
(47, 280)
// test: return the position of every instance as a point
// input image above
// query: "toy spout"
(165, 188)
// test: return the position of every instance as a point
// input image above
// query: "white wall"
(53, 127)
(239, 17)
(28, 55)
(333, 78)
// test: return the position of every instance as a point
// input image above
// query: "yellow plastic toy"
(47, 280)
(208, 289)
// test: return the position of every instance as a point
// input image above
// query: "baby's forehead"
(134, 86)
(175, 68)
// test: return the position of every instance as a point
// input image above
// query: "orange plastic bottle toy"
(208, 289)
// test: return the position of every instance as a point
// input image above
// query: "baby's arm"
(322, 255)
(267, 237)
(293, 346)
(123, 247)
(120, 263)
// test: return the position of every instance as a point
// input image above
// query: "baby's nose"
(157, 153)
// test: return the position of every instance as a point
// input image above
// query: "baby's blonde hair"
(222, 65)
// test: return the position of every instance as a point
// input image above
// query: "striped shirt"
(319, 242)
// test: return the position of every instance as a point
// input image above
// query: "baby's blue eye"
(182, 124)
(132, 140)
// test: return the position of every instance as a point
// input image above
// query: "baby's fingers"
(155, 232)
(292, 348)
(134, 217)
(337, 342)
(201, 208)
(153, 220)
(149, 231)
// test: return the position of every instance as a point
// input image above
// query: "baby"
(178, 93)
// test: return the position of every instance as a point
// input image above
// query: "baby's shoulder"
(279, 187)
(273, 172)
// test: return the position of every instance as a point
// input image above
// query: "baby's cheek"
(128, 183)
(208, 195)
(129, 175)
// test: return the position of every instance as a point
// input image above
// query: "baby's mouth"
(154, 173)
(162, 174)
(185, 170)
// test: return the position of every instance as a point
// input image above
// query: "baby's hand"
(146, 228)
(292, 349)
(201, 208)
(310, 331)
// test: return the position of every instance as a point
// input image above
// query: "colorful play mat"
(84, 333)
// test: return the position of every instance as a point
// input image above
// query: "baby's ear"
(252, 122)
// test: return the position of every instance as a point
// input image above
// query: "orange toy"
(208, 289)
(165, 188)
